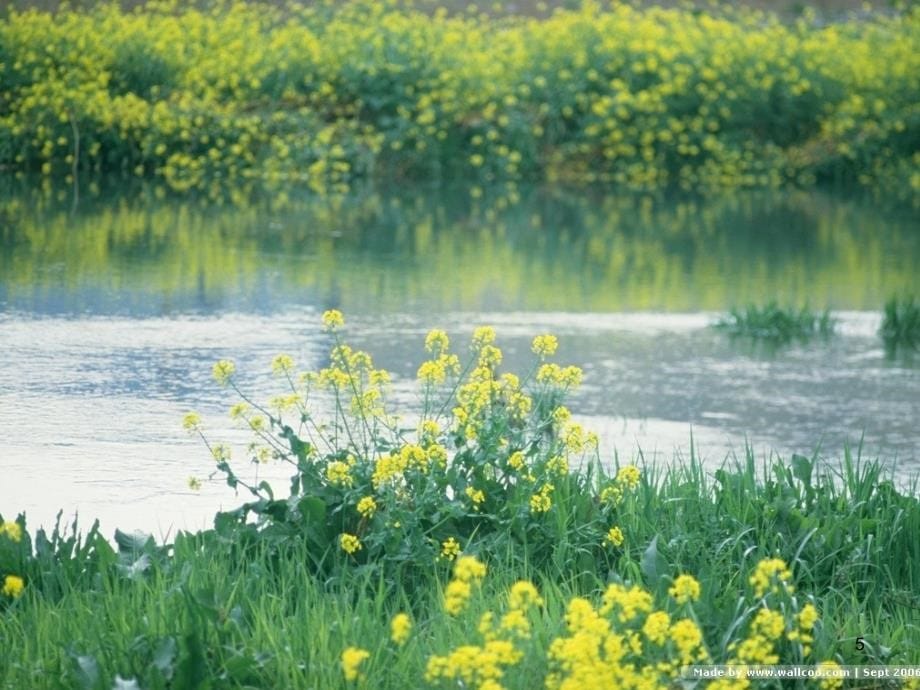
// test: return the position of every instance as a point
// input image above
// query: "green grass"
(776, 324)
(901, 323)
(207, 611)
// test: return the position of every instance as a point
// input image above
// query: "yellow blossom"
(349, 543)
(400, 628)
(367, 506)
(223, 371)
(685, 588)
(614, 536)
(544, 345)
(11, 529)
(333, 319)
(450, 548)
(352, 658)
(13, 586)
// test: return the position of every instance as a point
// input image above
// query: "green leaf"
(134, 543)
(654, 565)
(86, 670)
(164, 656)
(801, 469)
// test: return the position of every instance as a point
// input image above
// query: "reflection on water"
(111, 318)
(433, 252)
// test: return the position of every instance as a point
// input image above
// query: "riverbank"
(243, 96)
(215, 608)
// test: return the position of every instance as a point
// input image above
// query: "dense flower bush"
(488, 461)
(330, 93)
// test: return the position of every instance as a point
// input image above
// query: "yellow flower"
(191, 421)
(475, 495)
(656, 627)
(614, 536)
(516, 623)
(544, 345)
(516, 460)
(436, 341)
(367, 506)
(11, 529)
(349, 543)
(450, 548)
(808, 616)
(339, 473)
(352, 659)
(831, 668)
(523, 595)
(482, 336)
(282, 364)
(770, 624)
(541, 502)
(611, 494)
(223, 371)
(194, 484)
(685, 588)
(629, 476)
(469, 569)
(333, 319)
(13, 586)
(456, 594)
(773, 575)
(400, 627)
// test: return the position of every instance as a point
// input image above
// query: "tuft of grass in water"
(901, 323)
(776, 324)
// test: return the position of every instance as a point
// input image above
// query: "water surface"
(111, 316)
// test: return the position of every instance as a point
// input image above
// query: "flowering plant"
(487, 465)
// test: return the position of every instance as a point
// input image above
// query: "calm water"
(111, 316)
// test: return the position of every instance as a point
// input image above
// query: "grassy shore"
(206, 611)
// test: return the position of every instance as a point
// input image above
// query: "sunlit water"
(111, 318)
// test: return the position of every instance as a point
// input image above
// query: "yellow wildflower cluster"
(339, 473)
(11, 530)
(802, 632)
(482, 393)
(627, 480)
(329, 93)
(400, 628)
(223, 371)
(542, 501)
(13, 586)
(450, 548)
(352, 658)
(685, 589)
(367, 506)
(349, 543)
(544, 345)
(614, 537)
(468, 573)
(771, 575)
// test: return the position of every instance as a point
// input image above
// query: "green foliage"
(776, 324)
(901, 324)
